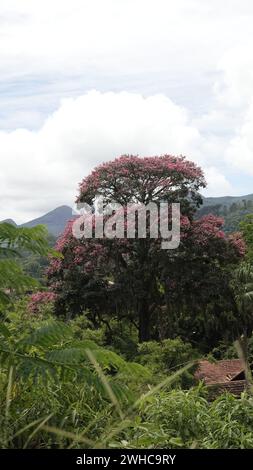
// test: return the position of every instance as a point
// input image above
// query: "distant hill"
(55, 220)
(226, 200)
(232, 209)
(9, 221)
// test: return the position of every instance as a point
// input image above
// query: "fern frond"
(137, 370)
(51, 353)
(31, 239)
(51, 334)
(70, 356)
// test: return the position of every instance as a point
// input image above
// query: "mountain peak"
(55, 220)
(9, 221)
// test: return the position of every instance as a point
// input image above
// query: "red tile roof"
(218, 372)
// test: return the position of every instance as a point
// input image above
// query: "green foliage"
(35, 264)
(49, 376)
(51, 350)
(234, 214)
(59, 389)
(178, 419)
(242, 292)
(13, 279)
(246, 226)
(165, 357)
(13, 239)
(74, 384)
(122, 337)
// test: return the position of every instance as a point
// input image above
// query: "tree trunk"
(144, 321)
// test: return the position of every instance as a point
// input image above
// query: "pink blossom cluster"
(209, 226)
(149, 176)
(84, 253)
(65, 237)
(40, 298)
(237, 241)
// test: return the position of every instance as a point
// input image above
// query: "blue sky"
(83, 81)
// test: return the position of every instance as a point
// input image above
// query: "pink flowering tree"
(134, 277)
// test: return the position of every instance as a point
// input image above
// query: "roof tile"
(218, 372)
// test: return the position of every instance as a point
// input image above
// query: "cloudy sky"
(83, 81)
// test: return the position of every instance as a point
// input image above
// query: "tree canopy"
(135, 277)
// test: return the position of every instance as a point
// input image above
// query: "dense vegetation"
(105, 355)
(232, 213)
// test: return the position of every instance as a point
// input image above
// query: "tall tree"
(128, 276)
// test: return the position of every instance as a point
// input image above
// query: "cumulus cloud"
(41, 169)
(187, 75)
(217, 183)
(240, 150)
(234, 95)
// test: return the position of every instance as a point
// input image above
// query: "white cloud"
(160, 43)
(235, 85)
(234, 108)
(186, 70)
(218, 185)
(42, 168)
(240, 150)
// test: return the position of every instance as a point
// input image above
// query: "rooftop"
(219, 372)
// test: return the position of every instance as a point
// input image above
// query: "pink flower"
(237, 241)
(132, 176)
(40, 298)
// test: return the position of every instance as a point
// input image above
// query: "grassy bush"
(179, 419)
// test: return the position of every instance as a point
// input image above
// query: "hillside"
(232, 209)
(226, 200)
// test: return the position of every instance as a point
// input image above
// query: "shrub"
(186, 419)
(165, 357)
